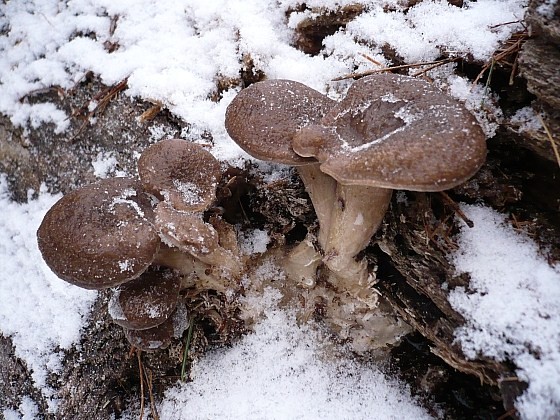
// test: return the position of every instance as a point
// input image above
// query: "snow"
(42, 314)
(173, 51)
(253, 241)
(512, 307)
(286, 371)
(106, 164)
(205, 39)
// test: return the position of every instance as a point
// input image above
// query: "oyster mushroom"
(263, 119)
(147, 301)
(160, 336)
(100, 235)
(184, 177)
(389, 132)
(180, 173)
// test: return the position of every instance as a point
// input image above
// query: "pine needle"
(186, 350)
(141, 373)
(552, 142)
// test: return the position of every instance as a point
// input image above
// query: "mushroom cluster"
(389, 132)
(146, 239)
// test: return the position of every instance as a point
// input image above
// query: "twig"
(456, 209)
(368, 58)
(446, 61)
(403, 66)
(505, 23)
(141, 373)
(103, 98)
(552, 142)
(149, 381)
(516, 41)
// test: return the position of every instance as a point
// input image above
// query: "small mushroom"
(147, 301)
(160, 336)
(184, 177)
(180, 173)
(389, 132)
(263, 119)
(100, 235)
(191, 234)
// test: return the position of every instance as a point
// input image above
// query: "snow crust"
(512, 307)
(48, 43)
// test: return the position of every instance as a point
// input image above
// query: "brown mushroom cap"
(186, 231)
(397, 132)
(182, 173)
(160, 336)
(263, 118)
(147, 301)
(100, 235)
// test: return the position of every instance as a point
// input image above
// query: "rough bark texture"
(521, 176)
(539, 61)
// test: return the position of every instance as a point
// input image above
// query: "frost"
(253, 241)
(526, 120)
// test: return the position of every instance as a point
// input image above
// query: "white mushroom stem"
(195, 272)
(302, 262)
(356, 216)
(322, 191)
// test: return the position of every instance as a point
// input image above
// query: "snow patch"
(512, 306)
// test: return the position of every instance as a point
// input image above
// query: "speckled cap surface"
(181, 173)
(396, 132)
(263, 118)
(100, 235)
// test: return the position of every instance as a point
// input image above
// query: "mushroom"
(147, 301)
(263, 119)
(100, 235)
(184, 176)
(160, 336)
(145, 238)
(389, 132)
(180, 173)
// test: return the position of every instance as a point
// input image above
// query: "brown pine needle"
(457, 209)
(552, 142)
(403, 66)
(141, 373)
(512, 46)
(368, 58)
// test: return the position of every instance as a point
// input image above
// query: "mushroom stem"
(303, 260)
(195, 272)
(356, 215)
(322, 191)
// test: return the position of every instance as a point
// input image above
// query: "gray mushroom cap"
(397, 132)
(100, 235)
(181, 173)
(263, 118)
(147, 301)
